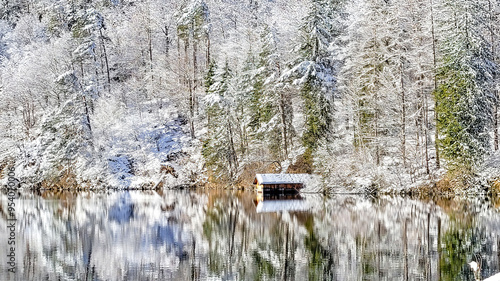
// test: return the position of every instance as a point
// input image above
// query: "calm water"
(219, 235)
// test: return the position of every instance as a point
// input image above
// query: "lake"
(236, 235)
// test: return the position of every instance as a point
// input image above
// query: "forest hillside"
(370, 94)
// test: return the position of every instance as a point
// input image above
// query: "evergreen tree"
(276, 103)
(191, 24)
(262, 99)
(245, 108)
(219, 146)
(87, 32)
(210, 76)
(464, 95)
(265, 110)
(316, 68)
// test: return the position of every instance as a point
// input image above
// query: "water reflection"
(220, 235)
(271, 203)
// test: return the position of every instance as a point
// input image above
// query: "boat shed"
(279, 182)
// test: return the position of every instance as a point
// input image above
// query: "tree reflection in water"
(199, 235)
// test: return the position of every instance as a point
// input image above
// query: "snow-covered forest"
(147, 93)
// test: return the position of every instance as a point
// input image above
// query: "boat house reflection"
(270, 203)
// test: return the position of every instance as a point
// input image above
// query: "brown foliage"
(303, 165)
(65, 181)
(495, 187)
(2, 168)
(167, 169)
(453, 181)
(247, 175)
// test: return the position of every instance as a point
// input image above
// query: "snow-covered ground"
(130, 148)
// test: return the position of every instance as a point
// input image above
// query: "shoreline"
(411, 193)
(442, 186)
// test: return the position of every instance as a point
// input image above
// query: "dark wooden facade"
(278, 187)
(282, 186)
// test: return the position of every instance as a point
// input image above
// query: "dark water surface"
(223, 235)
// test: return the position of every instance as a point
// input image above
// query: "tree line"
(387, 91)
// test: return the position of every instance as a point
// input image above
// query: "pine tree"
(219, 146)
(316, 69)
(87, 32)
(246, 109)
(274, 109)
(464, 95)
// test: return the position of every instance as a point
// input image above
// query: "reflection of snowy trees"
(181, 235)
(119, 236)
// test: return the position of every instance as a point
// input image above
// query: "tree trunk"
(150, 50)
(493, 55)
(87, 114)
(403, 117)
(195, 74)
(168, 41)
(283, 125)
(495, 120)
(436, 116)
(96, 74)
(283, 118)
(191, 108)
(233, 160)
(178, 49)
(426, 132)
(208, 49)
(376, 139)
(242, 131)
(106, 60)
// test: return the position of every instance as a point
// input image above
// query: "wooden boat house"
(279, 182)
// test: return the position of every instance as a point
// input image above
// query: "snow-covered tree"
(465, 97)
(193, 30)
(265, 105)
(63, 149)
(373, 70)
(315, 68)
(219, 146)
(87, 31)
(333, 83)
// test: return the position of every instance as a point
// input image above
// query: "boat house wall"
(278, 182)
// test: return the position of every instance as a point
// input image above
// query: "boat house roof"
(280, 178)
